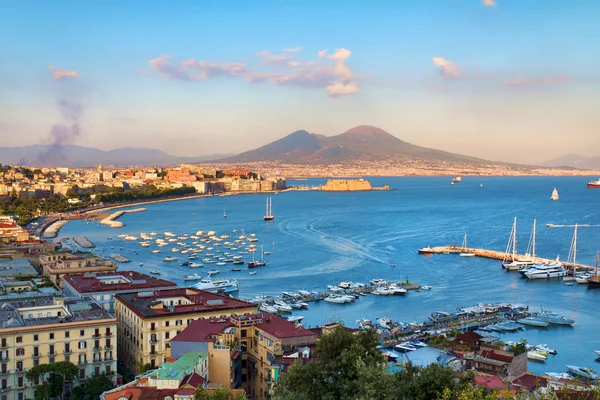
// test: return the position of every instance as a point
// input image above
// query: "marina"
(83, 242)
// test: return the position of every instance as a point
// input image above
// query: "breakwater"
(500, 255)
(120, 258)
(111, 219)
(83, 242)
(52, 230)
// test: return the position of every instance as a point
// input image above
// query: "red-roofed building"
(148, 320)
(180, 175)
(246, 350)
(491, 382)
(496, 360)
(11, 232)
(103, 286)
(529, 383)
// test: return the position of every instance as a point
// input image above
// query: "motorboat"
(221, 263)
(531, 321)
(425, 287)
(295, 318)
(169, 259)
(145, 244)
(282, 306)
(536, 355)
(155, 272)
(382, 291)
(397, 290)
(208, 261)
(304, 292)
(597, 352)
(252, 273)
(405, 347)
(264, 307)
(195, 265)
(335, 289)
(336, 299)
(155, 251)
(587, 373)
(217, 286)
(236, 270)
(345, 285)
(418, 343)
(426, 250)
(193, 277)
(213, 272)
(546, 273)
(296, 306)
(185, 264)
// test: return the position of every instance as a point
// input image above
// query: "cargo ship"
(594, 184)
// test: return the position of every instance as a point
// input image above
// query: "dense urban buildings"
(58, 264)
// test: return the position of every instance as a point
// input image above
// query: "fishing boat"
(269, 212)
(587, 373)
(531, 321)
(425, 250)
(554, 196)
(594, 184)
(193, 277)
(254, 263)
(464, 250)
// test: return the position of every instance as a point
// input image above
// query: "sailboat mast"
(267, 208)
(514, 252)
(533, 244)
(596, 269)
(575, 248)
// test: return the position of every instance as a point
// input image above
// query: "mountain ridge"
(574, 160)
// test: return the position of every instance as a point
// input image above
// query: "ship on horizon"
(594, 184)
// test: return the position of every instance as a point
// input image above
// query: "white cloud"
(489, 3)
(331, 73)
(60, 74)
(448, 69)
(293, 49)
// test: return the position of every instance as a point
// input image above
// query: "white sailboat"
(465, 252)
(269, 211)
(517, 262)
(224, 214)
(554, 196)
(572, 256)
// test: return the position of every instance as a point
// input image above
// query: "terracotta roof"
(193, 379)
(530, 382)
(200, 301)
(203, 330)
(495, 356)
(490, 382)
(89, 283)
(469, 336)
(281, 328)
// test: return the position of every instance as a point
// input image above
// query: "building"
(103, 286)
(148, 320)
(495, 360)
(60, 263)
(177, 379)
(11, 232)
(16, 268)
(245, 350)
(41, 329)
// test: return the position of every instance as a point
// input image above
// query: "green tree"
(40, 373)
(73, 192)
(431, 382)
(67, 370)
(348, 366)
(92, 389)
(221, 393)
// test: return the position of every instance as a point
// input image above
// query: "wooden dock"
(500, 255)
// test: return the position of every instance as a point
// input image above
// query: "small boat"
(266, 253)
(253, 273)
(169, 259)
(141, 264)
(392, 264)
(425, 287)
(597, 352)
(155, 272)
(335, 299)
(213, 272)
(155, 251)
(185, 264)
(594, 184)
(587, 373)
(282, 306)
(426, 250)
(195, 265)
(267, 308)
(554, 196)
(224, 214)
(221, 263)
(208, 261)
(295, 318)
(145, 244)
(457, 179)
(193, 277)
(236, 269)
(536, 355)
(465, 252)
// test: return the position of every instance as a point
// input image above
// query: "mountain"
(79, 156)
(360, 143)
(574, 161)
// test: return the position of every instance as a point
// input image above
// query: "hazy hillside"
(575, 161)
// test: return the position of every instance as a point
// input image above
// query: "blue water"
(322, 238)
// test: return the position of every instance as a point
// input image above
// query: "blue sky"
(506, 79)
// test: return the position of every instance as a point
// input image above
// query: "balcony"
(36, 356)
(108, 334)
(67, 352)
(108, 347)
(96, 335)
(97, 348)
(153, 340)
(3, 357)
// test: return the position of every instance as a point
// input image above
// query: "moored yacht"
(217, 286)
(546, 273)
(553, 318)
(193, 277)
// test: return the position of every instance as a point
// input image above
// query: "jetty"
(359, 185)
(500, 255)
(120, 258)
(111, 219)
(83, 242)
(51, 231)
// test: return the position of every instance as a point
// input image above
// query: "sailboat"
(594, 281)
(254, 263)
(224, 214)
(465, 252)
(269, 212)
(554, 196)
(516, 262)
(572, 257)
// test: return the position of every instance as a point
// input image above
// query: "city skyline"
(491, 79)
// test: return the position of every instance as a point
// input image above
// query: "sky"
(510, 80)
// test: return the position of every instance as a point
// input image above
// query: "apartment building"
(148, 320)
(103, 286)
(41, 329)
(58, 264)
(245, 350)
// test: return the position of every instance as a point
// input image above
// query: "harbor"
(111, 220)
(83, 242)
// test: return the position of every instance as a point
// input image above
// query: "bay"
(321, 238)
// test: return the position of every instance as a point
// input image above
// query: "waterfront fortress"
(346, 185)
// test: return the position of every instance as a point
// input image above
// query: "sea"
(321, 238)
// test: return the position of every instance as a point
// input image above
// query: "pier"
(111, 219)
(83, 242)
(119, 258)
(500, 255)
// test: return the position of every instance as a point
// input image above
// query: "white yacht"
(169, 259)
(193, 277)
(554, 196)
(546, 273)
(267, 308)
(217, 286)
(282, 306)
(345, 285)
(337, 299)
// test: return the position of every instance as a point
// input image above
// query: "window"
(97, 332)
(244, 333)
(269, 342)
(67, 348)
(260, 338)
(36, 362)
(178, 322)
(51, 336)
(4, 384)
(19, 339)
(167, 323)
(20, 352)
(4, 368)
(96, 344)
(36, 351)
(51, 359)
(108, 344)
(107, 370)
(108, 331)
(36, 338)
(189, 321)
(82, 333)
(67, 335)
(20, 381)
(51, 349)
(167, 335)
(82, 345)
(3, 342)
(96, 371)
(83, 359)
(81, 373)
(19, 366)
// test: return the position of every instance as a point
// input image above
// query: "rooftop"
(180, 368)
(278, 327)
(203, 330)
(131, 281)
(18, 266)
(31, 311)
(185, 301)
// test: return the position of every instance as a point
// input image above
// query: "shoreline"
(111, 220)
